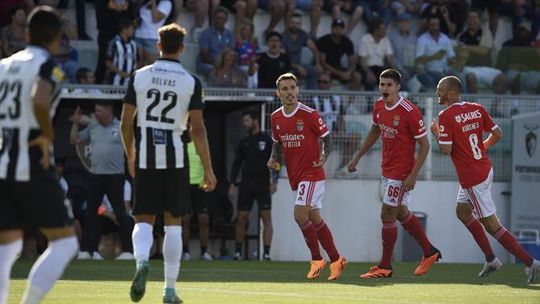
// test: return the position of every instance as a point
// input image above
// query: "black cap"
(338, 22)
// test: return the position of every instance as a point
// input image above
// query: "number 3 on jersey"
(473, 140)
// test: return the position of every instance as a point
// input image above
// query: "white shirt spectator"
(149, 28)
(427, 46)
(375, 52)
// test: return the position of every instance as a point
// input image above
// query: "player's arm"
(370, 140)
(410, 181)
(198, 134)
(326, 147)
(274, 162)
(126, 126)
(445, 148)
(493, 138)
(41, 98)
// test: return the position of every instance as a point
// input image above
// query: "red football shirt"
(462, 125)
(401, 125)
(298, 134)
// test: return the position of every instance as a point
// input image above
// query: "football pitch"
(284, 282)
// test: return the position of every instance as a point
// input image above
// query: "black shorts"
(200, 200)
(159, 190)
(39, 203)
(250, 191)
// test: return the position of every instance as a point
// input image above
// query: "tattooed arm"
(326, 149)
(274, 162)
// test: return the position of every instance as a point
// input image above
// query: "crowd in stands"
(424, 39)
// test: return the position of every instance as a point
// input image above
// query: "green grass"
(283, 282)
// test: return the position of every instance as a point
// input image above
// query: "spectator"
(521, 61)
(244, 11)
(226, 73)
(448, 13)
(201, 9)
(412, 7)
(69, 28)
(278, 10)
(122, 54)
(85, 76)
(477, 43)
(434, 51)
(247, 45)
(293, 40)
(107, 168)
(108, 13)
(13, 35)
(332, 47)
(403, 42)
(213, 41)
(352, 7)
(379, 9)
(153, 14)
(314, 7)
(81, 17)
(271, 64)
(67, 58)
(6, 6)
(375, 49)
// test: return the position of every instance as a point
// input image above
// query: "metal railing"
(349, 117)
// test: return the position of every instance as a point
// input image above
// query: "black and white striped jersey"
(164, 93)
(18, 75)
(123, 55)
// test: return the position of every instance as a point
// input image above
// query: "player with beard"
(459, 132)
(399, 124)
(297, 131)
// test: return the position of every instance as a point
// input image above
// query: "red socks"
(327, 242)
(511, 245)
(413, 227)
(389, 236)
(310, 235)
(477, 231)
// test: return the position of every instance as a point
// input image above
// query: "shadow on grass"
(286, 272)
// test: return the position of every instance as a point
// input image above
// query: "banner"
(525, 207)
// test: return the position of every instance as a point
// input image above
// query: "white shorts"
(484, 75)
(479, 197)
(393, 194)
(310, 194)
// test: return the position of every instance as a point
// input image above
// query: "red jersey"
(401, 125)
(462, 125)
(298, 134)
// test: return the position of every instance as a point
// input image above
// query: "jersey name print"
(462, 125)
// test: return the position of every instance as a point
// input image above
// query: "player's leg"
(410, 222)
(147, 203)
(10, 248)
(302, 218)
(53, 215)
(244, 206)
(264, 199)
(11, 236)
(177, 198)
(464, 212)
(484, 207)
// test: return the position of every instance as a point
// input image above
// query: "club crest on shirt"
(57, 74)
(396, 120)
(300, 125)
(262, 145)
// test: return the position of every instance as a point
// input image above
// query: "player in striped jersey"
(399, 124)
(160, 99)
(30, 195)
(459, 132)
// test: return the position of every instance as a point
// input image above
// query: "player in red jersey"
(399, 124)
(459, 132)
(297, 131)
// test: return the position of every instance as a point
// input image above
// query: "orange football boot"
(377, 272)
(316, 268)
(336, 268)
